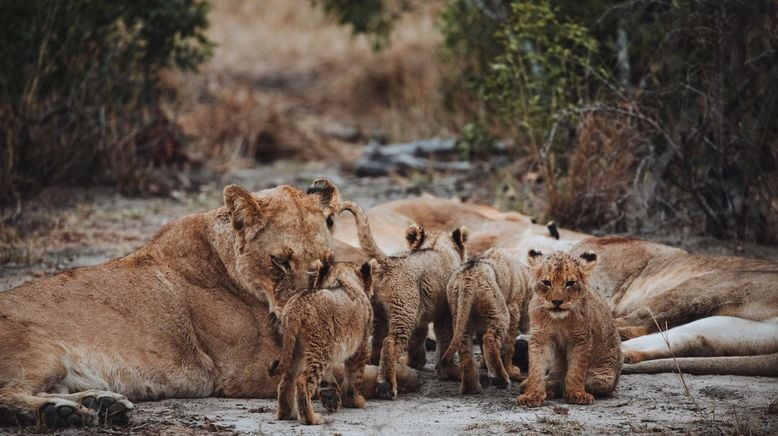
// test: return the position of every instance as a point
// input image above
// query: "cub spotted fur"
(410, 288)
(573, 336)
(485, 297)
(323, 326)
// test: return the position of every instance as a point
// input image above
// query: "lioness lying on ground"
(411, 288)
(485, 296)
(330, 323)
(572, 333)
(152, 325)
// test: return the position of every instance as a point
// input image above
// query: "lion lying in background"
(722, 311)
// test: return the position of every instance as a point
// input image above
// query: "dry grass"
(285, 79)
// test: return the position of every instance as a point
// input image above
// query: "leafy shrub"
(78, 80)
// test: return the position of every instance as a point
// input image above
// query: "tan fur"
(573, 334)
(329, 325)
(485, 296)
(152, 325)
(410, 287)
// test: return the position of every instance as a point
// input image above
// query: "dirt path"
(75, 227)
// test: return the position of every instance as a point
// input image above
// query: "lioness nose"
(557, 302)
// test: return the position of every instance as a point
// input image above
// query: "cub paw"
(470, 389)
(312, 419)
(499, 382)
(330, 398)
(579, 397)
(385, 391)
(531, 399)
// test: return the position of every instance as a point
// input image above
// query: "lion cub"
(411, 289)
(485, 296)
(573, 337)
(329, 324)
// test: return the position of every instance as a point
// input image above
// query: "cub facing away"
(485, 296)
(330, 323)
(410, 289)
(574, 347)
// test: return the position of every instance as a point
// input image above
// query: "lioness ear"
(459, 236)
(533, 258)
(244, 210)
(415, 236)
(552, 230)
(327, 197)
(587, 260)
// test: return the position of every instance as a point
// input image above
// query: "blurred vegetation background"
(618, 115)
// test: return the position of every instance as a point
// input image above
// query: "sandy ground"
(74, 227)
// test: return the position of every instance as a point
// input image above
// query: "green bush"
(79, 78)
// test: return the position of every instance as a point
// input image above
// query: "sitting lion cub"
(573, 336)
(330, 323)
(411, 288)
(485, 296)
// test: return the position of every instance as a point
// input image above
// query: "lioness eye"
(570, 283)
(280, 262)
(546, 283)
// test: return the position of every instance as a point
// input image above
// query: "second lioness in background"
(574, 347)
(485, 296)
(330, 323)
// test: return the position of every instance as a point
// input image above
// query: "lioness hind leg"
(110, 407)
(25, 408)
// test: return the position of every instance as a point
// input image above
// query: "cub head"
(280, 237)
(418, 239)
(560, 280)
(348, 275)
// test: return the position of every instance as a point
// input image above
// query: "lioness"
(329, 324)
(411, 288)
(152, 324)
(485, 296)
(572, 333)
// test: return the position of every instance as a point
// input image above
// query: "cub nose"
(557, 303)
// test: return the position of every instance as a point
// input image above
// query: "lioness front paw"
(531, 399)
(634, 356)
(579, 397)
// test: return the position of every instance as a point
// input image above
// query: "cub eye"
(570, 283)
(546, 283)
(330, 221)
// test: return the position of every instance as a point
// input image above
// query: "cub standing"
(573, 336)
(485, 296)
(411, 288)
(323, 326)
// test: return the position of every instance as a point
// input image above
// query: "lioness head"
(281, 236)
(559, 280)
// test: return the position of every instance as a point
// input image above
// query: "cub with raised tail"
(485, 296)
(330, 323)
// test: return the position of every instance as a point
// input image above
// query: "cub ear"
(587, 260)
(459, 236)
(326, 195)
(415, 236)
(534, 257)
(245, 212)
